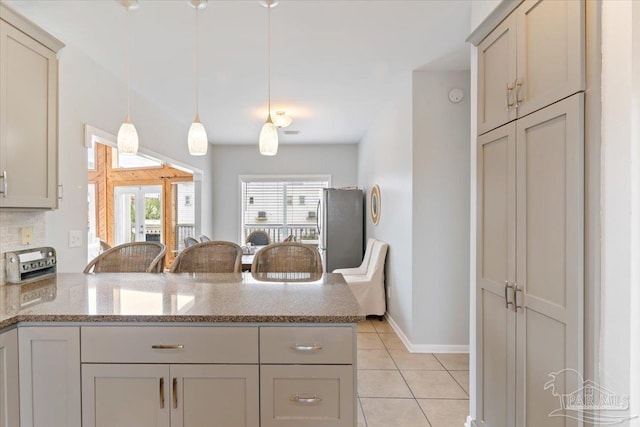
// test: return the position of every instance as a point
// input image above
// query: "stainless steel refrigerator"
(341, 228)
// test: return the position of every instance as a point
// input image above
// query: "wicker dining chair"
(287, 257)
(136, 257)
(209, 257)
(190, 241)
(204, 238)
(259, 238)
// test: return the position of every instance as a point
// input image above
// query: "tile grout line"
(407, 384)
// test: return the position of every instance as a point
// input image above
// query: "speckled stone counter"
(217, 298)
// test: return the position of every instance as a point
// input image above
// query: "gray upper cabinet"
(28, 115)
(532, 59)
(497, 76)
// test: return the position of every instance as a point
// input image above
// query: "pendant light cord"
(197, 73)
(128, 68)
(269, 57)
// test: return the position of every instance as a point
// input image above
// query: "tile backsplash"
(10, 237)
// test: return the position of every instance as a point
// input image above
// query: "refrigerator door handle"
(318, 217)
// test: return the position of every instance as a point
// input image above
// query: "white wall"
(635, 212)
(385, 159)
(620, 201)
(89, 94)
(230, 161)
(440, 212)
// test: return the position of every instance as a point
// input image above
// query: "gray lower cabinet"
(177, 376)
(307, 376)
(141, 395)
(307, 396)
(49, 369)
(9, 407)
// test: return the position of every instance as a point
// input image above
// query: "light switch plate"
(26, 235)
(75, 238)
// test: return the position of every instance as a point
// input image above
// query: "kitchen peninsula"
(179, 350)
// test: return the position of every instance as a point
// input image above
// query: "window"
(128, 161)
(268, 204)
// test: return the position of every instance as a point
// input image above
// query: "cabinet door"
(550, 183)
(28, 121)
(49, 376)
(497, 76)
(125, 395)
(215, 396)
(495, 265)
(9, 407)
(550, 52)
(307, 396)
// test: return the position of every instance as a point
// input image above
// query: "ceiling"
(332, 60)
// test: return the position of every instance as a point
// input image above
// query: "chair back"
(259, 238)
(287, 257)
(204, 238)
(136, 257)
(209, 257)
(376, 263)
(367, 254)
(190, 241)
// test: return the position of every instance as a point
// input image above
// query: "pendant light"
(197, 139)
(268, 142)
(127, 134)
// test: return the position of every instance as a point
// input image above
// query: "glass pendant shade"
(127, 138)
(197, 139)
(268, 139)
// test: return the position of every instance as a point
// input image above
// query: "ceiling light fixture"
(127, 134)
(268, 141)
(281, 120)
(197, 139)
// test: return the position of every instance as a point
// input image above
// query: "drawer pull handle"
(161, 393)
(306, 347)
(301, 399)
(175, 393)
(167, 347)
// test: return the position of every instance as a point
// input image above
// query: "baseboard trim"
(470, 422)
(424, 348)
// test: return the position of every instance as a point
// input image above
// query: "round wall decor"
(375, 204)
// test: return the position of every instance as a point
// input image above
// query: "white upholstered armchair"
(368, 287)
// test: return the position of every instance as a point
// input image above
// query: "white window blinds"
(281, 206)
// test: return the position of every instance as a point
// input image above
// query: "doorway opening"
(137, 198)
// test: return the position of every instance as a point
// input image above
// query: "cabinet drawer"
(307, 396)
(307, 345)
(175, 344)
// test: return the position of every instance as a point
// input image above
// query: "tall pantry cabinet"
(530, 210)
(28, 114)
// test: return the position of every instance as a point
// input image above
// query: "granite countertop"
(168, 297)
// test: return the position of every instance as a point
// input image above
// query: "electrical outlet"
(26, 235)
(75, 238)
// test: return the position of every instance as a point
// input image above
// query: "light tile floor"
(401, 389)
